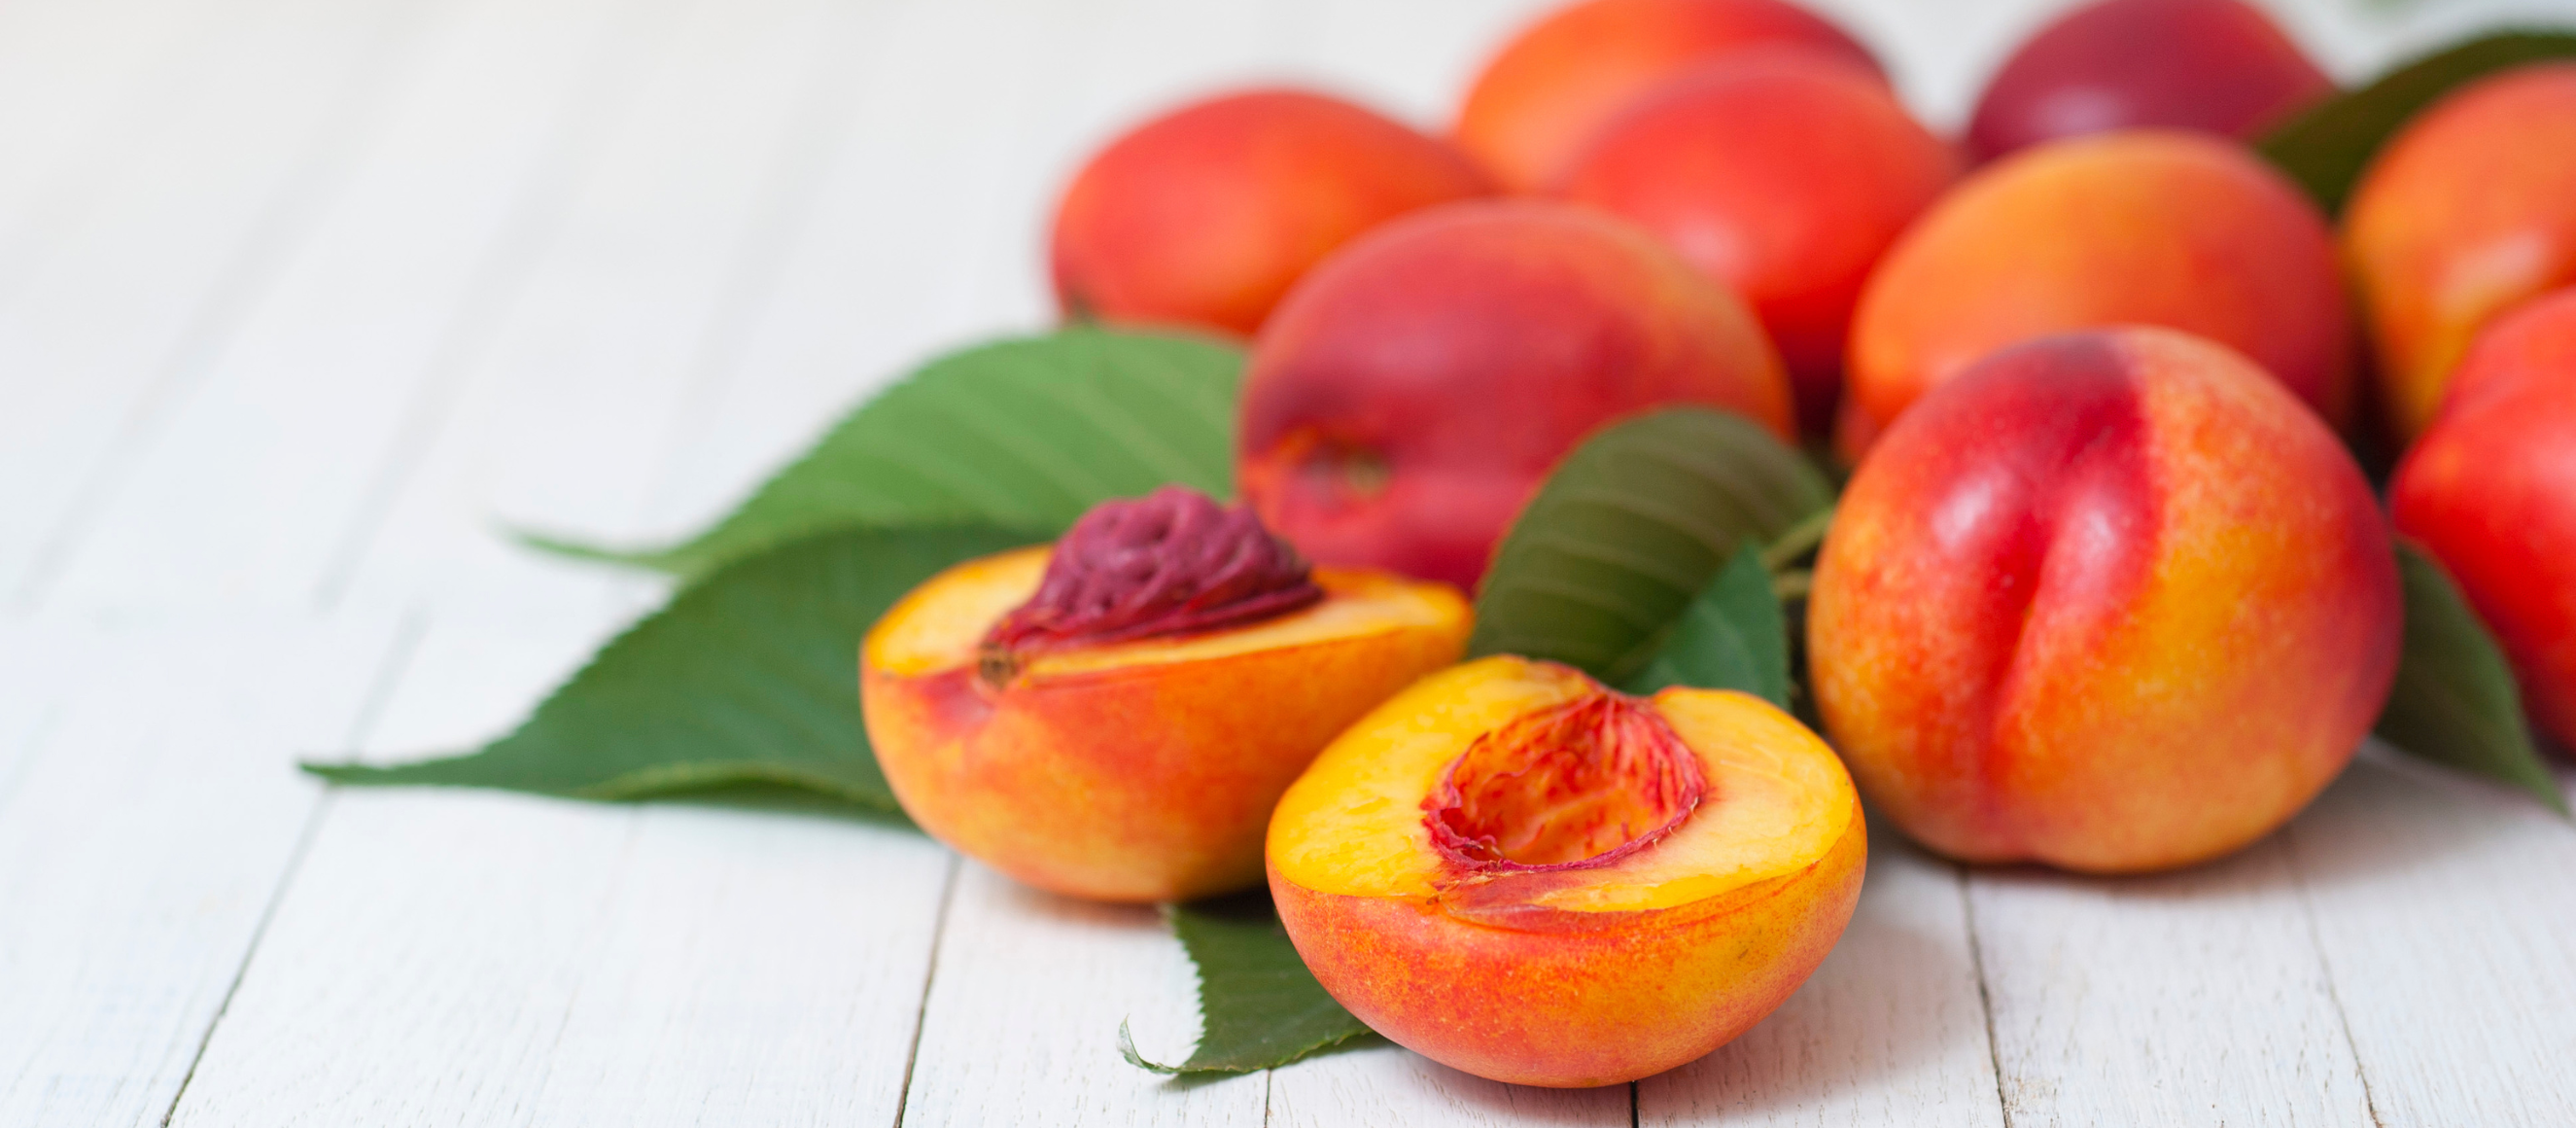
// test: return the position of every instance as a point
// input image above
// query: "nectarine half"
(1518, 873)
(1114, 718)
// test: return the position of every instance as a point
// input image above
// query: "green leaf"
(1021, 434)
(1259, 1007)
(1630, 529)
(751, 677)
(1733, 636)
(2454, 702)
(2326, 148)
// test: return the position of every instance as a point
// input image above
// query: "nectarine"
(2215, 65)
(1204, 216)
(1514, 871)
(2468, 210)
(1544, 93)
(1784, 176)
(1114, 718)
(1411, 392)
(2148, 227)
(2113, 601)
(2490, 490)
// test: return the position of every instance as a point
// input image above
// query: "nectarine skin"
(2145, 227)
(2113, 601)
(1543, 94)
(1783, 175)
(2467, 211)
(1409, 395)
(2490, 490)
(2216, 65)
(1138, 772)
(1205, 216)
(1567, 975)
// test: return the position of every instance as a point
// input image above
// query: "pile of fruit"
(2106, 590)
(2107, 587)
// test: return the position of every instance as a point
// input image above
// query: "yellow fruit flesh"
(1777, 800)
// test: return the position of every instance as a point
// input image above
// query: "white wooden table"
(299, 299)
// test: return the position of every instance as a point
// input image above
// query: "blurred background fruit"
(1784, 175)
(2490, 490)
(2216, 65)
(2144, 227)
(1203, 217)
(1544, 93)
(2469, 210)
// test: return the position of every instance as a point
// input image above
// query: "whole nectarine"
(1785, 176)
(2490, 490)
(2113, 601)
(2146, 227)
(1115, 717)
(2468, 210)
(1516, 872)
(1543, 94)
(1411, 392)
(1204, 216)
(2216, 65)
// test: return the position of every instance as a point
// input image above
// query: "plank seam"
(929, 976)
(396, 662)
(1985, 994)
(2325, 963)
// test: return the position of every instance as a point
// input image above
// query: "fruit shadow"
(1895, 1003)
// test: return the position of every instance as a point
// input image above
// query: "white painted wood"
(1385, 1084)
(2187, 998)
(286, 433)
(1021, 1022)
(481, 958)
(109, 307)
(141, 840)
(1891, 1030)
(593, 367)
(2445, 909)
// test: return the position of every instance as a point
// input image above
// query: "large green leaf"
(1258, 1005)
(1630, 529)
(2327, 148)
(1023, 434)
(1732, 636)
(750, 677)
(2454, 702)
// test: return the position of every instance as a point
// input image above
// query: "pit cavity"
(1171, 563)
(1580, 784)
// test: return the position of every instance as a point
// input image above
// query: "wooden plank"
(483, 958)
(75, 78)
(141, 844)
(653, 964)
(1890, 1030)
(1021, 1022)
(258, 470)
(2190, 997)
(107, 313)
(2445, 907)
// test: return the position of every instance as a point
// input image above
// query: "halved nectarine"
(1114, 718)
(1516, 872)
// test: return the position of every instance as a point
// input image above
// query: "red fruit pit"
(1580, 784)
(1173, 562)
